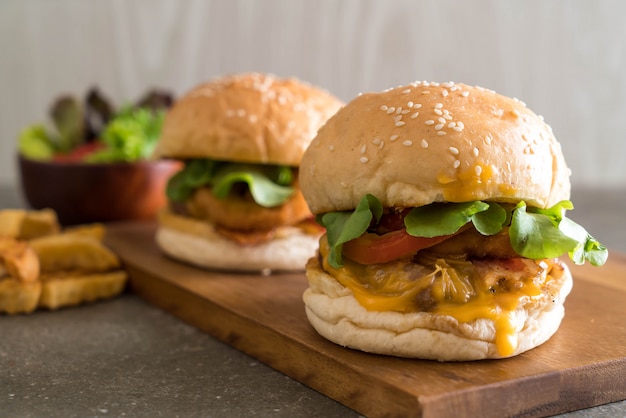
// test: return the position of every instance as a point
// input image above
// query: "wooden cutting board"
(583, 365)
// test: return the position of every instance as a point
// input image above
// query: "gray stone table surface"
(125, 358)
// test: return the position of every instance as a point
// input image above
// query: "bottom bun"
(197, 242)
(337, 316)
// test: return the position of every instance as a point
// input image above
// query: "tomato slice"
(79, 153)
(373, 248)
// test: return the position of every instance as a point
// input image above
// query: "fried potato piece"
(18, 260)
(18, 297)
(23, 224)
(75, 288)
(42, 266)
(73, 252)
(95, 230)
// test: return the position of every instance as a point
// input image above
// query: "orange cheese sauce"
(449, 287)
(464, 185)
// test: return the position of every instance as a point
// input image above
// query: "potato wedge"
(18, 297)
(70, 290)
(23, 224)
(73, 252)
(95, 230)
(18, 260)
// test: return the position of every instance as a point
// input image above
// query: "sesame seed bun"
(249, 117)
(429, 142)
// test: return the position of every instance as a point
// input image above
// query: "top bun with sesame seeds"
(444, 207)
(248, 117)
(236, 204)
(429, 142)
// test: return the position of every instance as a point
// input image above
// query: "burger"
(444, 207)
(236, 203)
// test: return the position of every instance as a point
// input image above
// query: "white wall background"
(565, 58)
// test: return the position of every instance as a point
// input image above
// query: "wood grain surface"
(583, 365)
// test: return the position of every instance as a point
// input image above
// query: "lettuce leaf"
(439, 219)
(265, 191)
(545, 233)
(537, 235)
(35, 143)
(196, 173)
(269, 185)
(534, 233)
(342, 227)
(131, 135)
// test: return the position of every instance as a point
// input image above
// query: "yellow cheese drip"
(391, 287)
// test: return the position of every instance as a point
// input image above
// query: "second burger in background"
(236, 205)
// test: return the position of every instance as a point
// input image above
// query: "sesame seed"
(438, 105)
(393, 138)
(425, 91)
(391, 110)
(363, 148)
(465, 94)
(438, 126)
(400, 123)
(414, 115)
(430, 122)
(397, 118)
(460, 125)
(478, 169)
(331, 147)
(407, 143)
(457, 128)
(454, 150)
(438, 111)
(451, 124)
(444, 93)
(384, 107)
(441, 120)
(417, 105)
(410, 104)
(475, 151)
(456, 164)
(406, 91)
(488, 140)
(424, 143)
(376, 141)
(441, 133)
(363, 160)
(405, 111)
(399, 110)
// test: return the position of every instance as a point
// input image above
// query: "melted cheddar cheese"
(470, 183)
(448, 287)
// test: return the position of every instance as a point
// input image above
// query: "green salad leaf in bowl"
(92, 131)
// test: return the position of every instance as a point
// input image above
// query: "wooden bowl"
(85, 193)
